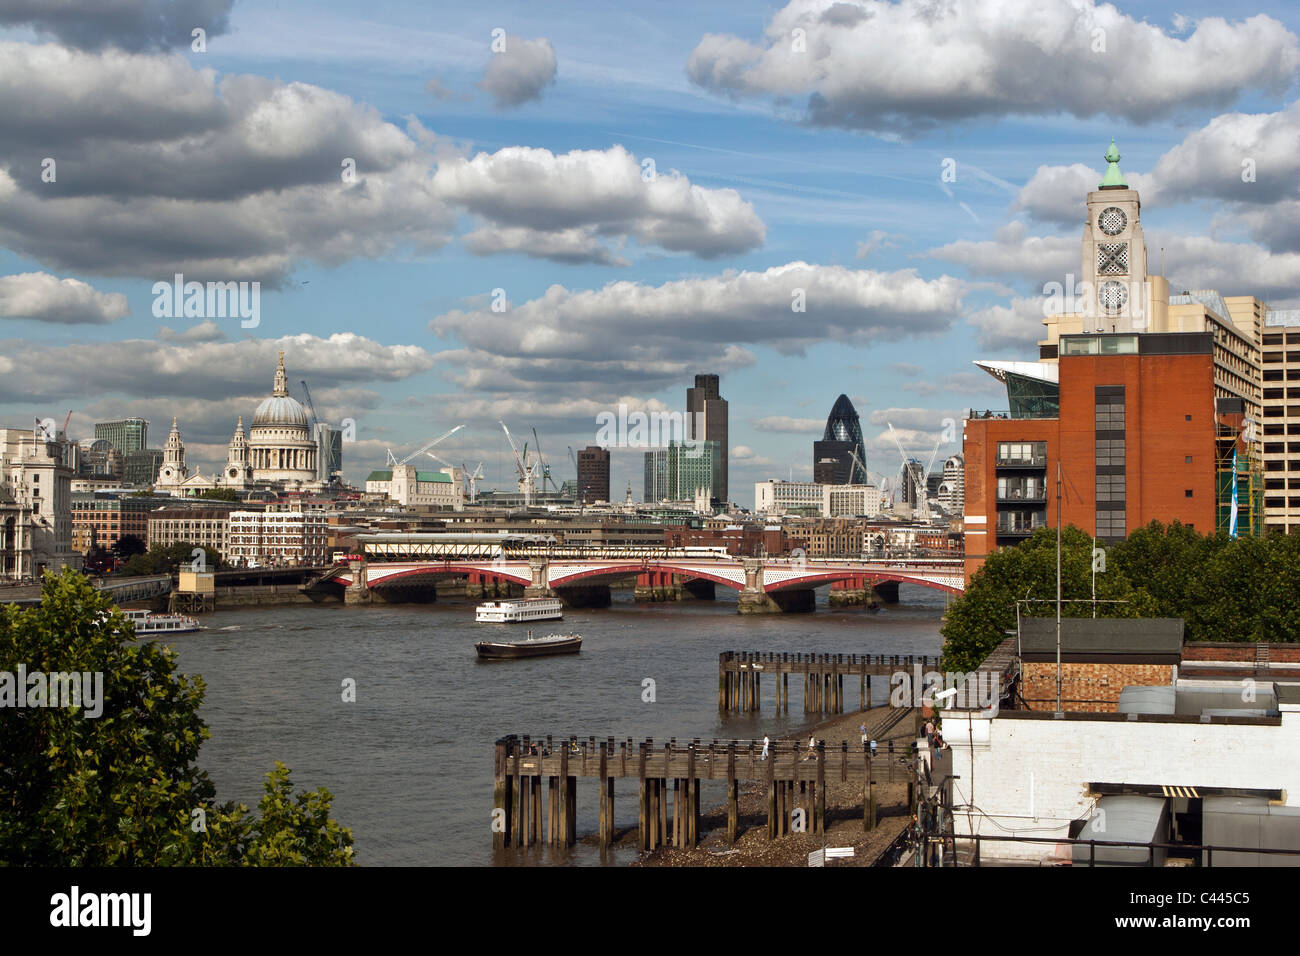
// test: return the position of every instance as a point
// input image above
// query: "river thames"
(410, 761)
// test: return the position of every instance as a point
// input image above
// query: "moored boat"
(528, 609)
(530, 647)
(148, 622)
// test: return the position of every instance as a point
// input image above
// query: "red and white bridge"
(750, 576)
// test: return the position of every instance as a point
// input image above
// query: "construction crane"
(311, 425)
(527, 480)
(472, 477)
(921, 502)
(546, 468)
(392, 459)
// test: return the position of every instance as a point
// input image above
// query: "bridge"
(122, 590)
(765, 585)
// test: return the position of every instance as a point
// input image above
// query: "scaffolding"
(1236, 465)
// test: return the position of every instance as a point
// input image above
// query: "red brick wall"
(1087, 687)
(1159, 392)
(1282, 653)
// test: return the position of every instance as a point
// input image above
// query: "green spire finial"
(1113, 179)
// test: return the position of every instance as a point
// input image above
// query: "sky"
(462, 213)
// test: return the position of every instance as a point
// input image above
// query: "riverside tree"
(1224, 589)
(123, 788)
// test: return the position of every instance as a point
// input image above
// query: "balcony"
(1034, 461)
(1020, 524)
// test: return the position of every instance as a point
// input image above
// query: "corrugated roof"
(1107, 637)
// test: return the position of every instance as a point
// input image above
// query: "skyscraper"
(706, 406)
(833, 456)
(128, 435)
(593, 474)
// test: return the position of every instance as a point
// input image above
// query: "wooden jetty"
(740, 677)
(795, 779)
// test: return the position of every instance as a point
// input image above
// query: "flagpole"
(1058, 585)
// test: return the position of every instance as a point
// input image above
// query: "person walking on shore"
(766, 741)
(812, 747)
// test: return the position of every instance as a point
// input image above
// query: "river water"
(410, 761)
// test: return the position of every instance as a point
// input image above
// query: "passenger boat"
(529, 609)
(530, 647)
(147, 623)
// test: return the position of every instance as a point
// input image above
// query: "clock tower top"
(1113, 179)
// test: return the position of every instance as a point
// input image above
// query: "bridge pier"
(541, 586)
(785, 601)
(853, 592)
(357, 592)
(654, 587)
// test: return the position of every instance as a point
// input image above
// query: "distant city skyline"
(446, 233)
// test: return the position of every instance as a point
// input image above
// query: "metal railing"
(1203, 851)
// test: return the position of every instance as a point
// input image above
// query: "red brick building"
(1132, 426)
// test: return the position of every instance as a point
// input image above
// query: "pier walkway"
(795, 781)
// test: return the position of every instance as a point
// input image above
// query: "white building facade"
(276, 539)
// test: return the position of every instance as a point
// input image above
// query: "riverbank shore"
(843, 813)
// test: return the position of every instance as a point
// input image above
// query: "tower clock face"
(1112, 296)
(1112, 220)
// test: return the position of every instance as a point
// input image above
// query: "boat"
(530, 647)
(528, 609)
(147, 622)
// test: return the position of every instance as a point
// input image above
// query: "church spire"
(1113, 179)
(281, 380)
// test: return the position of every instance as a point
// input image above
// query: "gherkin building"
(834, 456)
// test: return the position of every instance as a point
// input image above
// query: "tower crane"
(527, 480)
(392, 459)
(907, 470)
(472, 477)
(545, 465)
(310, 407)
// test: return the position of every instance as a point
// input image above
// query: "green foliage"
(166, 559)
(1247, 589)
(121, 788)
(978, 621)
(220, 494)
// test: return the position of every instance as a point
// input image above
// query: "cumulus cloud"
(47, 298)
(1013, 252)
(572, 246)
(1015, 326)
(520, 72)
(962, 383)
(205, 331)
(654, 335)
(164, 168)
(129, 24)
(1249, 160)
(879, 239)
(561, 207)
(783, 423)
(914, 418)
(210, 371)
(914, 64)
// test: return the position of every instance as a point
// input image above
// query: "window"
(1187, 417)
(1110, 451)
(1187, 493)
(1110, 417)
(1110, 488)
(1110, 524)
(1187, 459)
